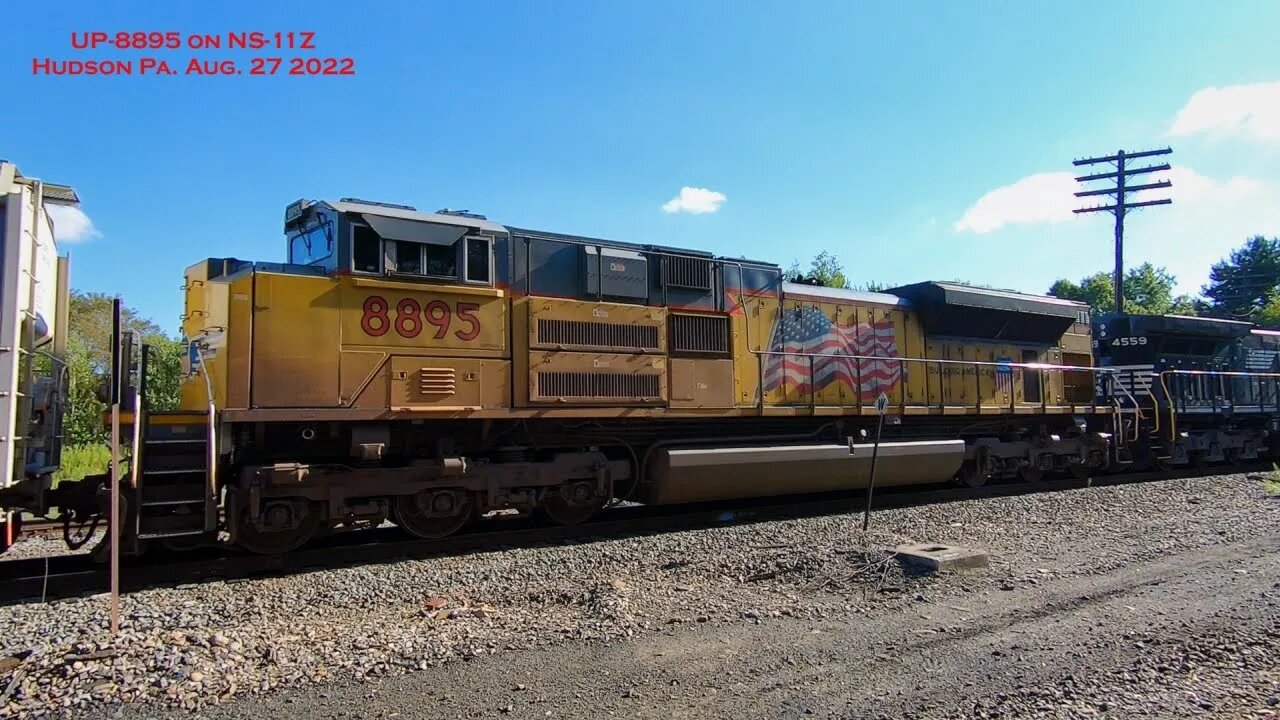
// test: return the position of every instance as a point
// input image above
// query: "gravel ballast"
(229, 643)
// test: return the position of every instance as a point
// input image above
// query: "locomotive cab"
(359, 237)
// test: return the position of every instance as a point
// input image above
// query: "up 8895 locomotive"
(431, 368)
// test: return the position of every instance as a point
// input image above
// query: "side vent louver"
(699, 335)
(437, 381)
(686, 272)
(595, 385)
(597, 335)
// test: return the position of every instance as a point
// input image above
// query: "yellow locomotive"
(430, 368)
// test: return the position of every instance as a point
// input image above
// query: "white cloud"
(1209, 216)
(1250, 110)
(1050, 198)
(71, 225)
(1043, 197)
(695, 201)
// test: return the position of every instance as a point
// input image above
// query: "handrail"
(1113, 383)
(136, 452)
(1009, 366)
(211, 449)
(1173, 415)
(1220, 373)
(1117, 420)
(985, 363)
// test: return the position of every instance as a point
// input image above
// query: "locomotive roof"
(404, 213)
(843, 295)
(951, 293)
(1184, 325)
(638, 247)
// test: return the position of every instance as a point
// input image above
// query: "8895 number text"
(411, 318)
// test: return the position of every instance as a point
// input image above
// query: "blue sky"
(930, 141)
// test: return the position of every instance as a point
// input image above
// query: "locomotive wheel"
(1031, 473)
(1079, 471)
(971, 475)
(572, 503)
(274, 542)
(433, 514)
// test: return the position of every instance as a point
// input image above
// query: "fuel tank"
(684, 475)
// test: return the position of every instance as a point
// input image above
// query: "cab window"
(442, 260)
(409, 258)
(312, 247)
(366, 249)
(469, 259)
(479, 259)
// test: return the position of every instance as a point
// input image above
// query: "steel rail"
(73, 575)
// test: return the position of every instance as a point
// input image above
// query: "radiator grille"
(437, 381)
(597, 385)
(687, 272)
(602, 335)
(700, 334)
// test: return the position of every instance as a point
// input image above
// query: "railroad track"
(42, 527)
(61, 576)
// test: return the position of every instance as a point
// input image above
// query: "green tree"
(825, 270)
(1096, 290)
(1148, 290)
(89, 362)
(1269, 315)
(1242, 285)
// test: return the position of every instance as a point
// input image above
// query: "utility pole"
(1121, 204)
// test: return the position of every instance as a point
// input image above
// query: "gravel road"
(1158, 599)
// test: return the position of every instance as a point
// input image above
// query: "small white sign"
(882, 404)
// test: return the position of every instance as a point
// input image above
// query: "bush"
(89, 359)
(81, 460)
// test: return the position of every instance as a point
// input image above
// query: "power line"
(1120, 192)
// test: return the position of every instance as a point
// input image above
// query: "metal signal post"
(882, 406)
(1122, 205)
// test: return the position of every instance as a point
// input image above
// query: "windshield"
(312, 247)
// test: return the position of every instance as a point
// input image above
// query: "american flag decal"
(1004, 375)
(809, 330)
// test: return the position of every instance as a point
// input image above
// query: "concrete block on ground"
(936, 556)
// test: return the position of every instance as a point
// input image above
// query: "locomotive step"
(162, 526)
(175, 441)
(169, 534)
(183, 494)
(172, 471)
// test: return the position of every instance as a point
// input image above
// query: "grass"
(1271, 482)
(81, 460)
